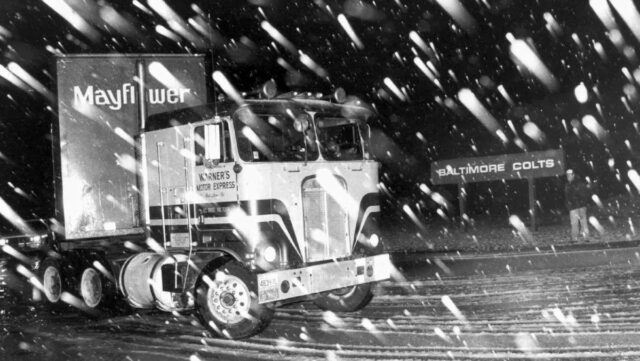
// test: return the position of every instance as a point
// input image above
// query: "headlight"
(269, 254)
(374, 240)
(36, 242)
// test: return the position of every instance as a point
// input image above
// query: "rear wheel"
(99, 294)
(348, 299)
(54, 283)
(91, 287)
(52, 280)
(227, 302)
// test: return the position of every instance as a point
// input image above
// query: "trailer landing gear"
(227, 302)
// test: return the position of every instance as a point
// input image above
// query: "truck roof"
(225, 108)
(128, 55)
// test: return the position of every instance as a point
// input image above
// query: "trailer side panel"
(102, 102)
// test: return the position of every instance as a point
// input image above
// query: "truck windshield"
(273, 138)
(340, 139)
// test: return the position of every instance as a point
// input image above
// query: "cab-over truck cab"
(276, 199)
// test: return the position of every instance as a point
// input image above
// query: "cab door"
(215, 182)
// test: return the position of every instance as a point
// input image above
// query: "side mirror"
(212, 144)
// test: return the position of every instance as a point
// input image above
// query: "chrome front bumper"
(291, 283)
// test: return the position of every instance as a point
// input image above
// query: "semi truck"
(171, 196)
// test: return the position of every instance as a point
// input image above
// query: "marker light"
(340, 95)
(269, 89)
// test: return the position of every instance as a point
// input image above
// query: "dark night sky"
(478, 60)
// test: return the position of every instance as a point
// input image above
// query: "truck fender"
(218, 262)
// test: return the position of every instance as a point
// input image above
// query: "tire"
(54, 283)
(348, 299)
(226, 302)
(52, 280)
(97, 293)
(92, 288)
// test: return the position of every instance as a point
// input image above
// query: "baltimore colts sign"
(505, 166)
(528, 166)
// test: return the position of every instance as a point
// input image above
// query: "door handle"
(292, 167)
(355, 167)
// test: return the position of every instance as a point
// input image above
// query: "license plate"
(179, 240)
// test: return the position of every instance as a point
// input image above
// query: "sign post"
(462, 200)
(532, 201)
(527, 166)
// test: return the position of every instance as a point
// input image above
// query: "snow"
(277, 36)
(522, 315)
(344, 22)
(571, 83)
(77, 21)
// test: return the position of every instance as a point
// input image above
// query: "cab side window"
(212, 141)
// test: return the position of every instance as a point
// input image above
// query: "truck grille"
(325, 223)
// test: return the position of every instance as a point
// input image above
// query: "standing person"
(576, 193)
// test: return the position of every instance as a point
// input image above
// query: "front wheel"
(348, 299)
(227, 302)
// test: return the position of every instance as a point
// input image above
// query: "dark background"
(431, 125)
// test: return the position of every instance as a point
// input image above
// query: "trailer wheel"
(52, 280)
(227, 302)
(348, 299)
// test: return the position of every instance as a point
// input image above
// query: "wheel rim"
(229, 299)
(91, 287)
(52, 284)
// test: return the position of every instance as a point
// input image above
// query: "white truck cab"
(283, 186)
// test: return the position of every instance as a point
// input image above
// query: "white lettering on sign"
(126, 94)
(534, 164)
(471, 169)
(495, 167)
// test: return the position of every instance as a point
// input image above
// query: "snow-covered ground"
(614, 220)
(577, 313)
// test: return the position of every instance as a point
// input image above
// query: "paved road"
(552, 313)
